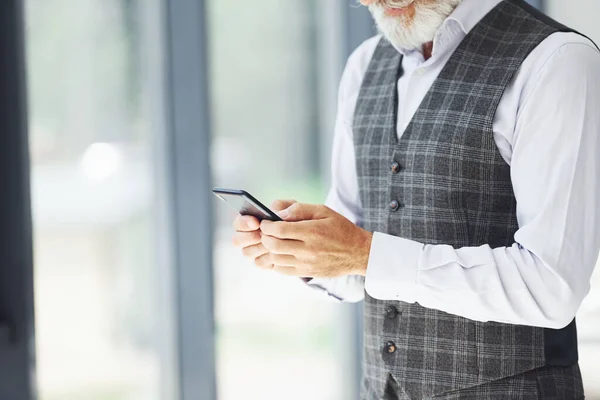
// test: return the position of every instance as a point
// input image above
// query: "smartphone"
(245, 204)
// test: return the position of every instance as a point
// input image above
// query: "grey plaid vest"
(445, 182)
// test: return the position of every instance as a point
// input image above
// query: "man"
(465, 190)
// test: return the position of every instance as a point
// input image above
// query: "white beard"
(413, 34)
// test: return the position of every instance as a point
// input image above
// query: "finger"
(279, 205)
(245, 239)
(254, 251)
(246, 223)
(282, 246)
(284, 260)
(304, 212)
(264, 261)
(289, 271)
(283, 230)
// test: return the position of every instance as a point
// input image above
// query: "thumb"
(279, 205)
(303, 212)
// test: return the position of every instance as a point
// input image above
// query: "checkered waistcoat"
(445, 182)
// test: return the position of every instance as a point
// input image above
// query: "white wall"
(581, 15)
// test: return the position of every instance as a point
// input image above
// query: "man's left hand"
(314, 241)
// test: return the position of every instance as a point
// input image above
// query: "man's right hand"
(248, 235)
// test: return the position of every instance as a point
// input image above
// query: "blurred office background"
(106, 305)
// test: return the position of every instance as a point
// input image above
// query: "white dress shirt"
(547, 129)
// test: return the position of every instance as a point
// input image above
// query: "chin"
(413, 30)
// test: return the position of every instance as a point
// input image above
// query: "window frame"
(17, 350)
(190, 203)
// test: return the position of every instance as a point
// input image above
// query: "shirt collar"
(458, 25)
(470, 12)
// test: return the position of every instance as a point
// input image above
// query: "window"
(103, 323)
(275, 337)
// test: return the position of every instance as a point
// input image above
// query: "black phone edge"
(240, 192)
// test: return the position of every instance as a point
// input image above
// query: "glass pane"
(584, 18)
(276, 338)
(101, 298)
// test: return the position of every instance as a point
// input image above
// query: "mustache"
(391, 4)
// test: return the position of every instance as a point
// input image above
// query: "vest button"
(395, 168)
(390, 347)
(394, 205)
(391, 312)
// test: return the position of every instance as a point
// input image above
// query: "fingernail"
(251, 224)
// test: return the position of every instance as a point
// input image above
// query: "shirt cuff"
(322, 285)
(392, 268)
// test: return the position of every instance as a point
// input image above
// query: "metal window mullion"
(17, 345)
(188, 162)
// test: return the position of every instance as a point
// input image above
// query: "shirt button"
(395, 168)
(394, 205)
(390, 347)
(420, 71)
(391, 312)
